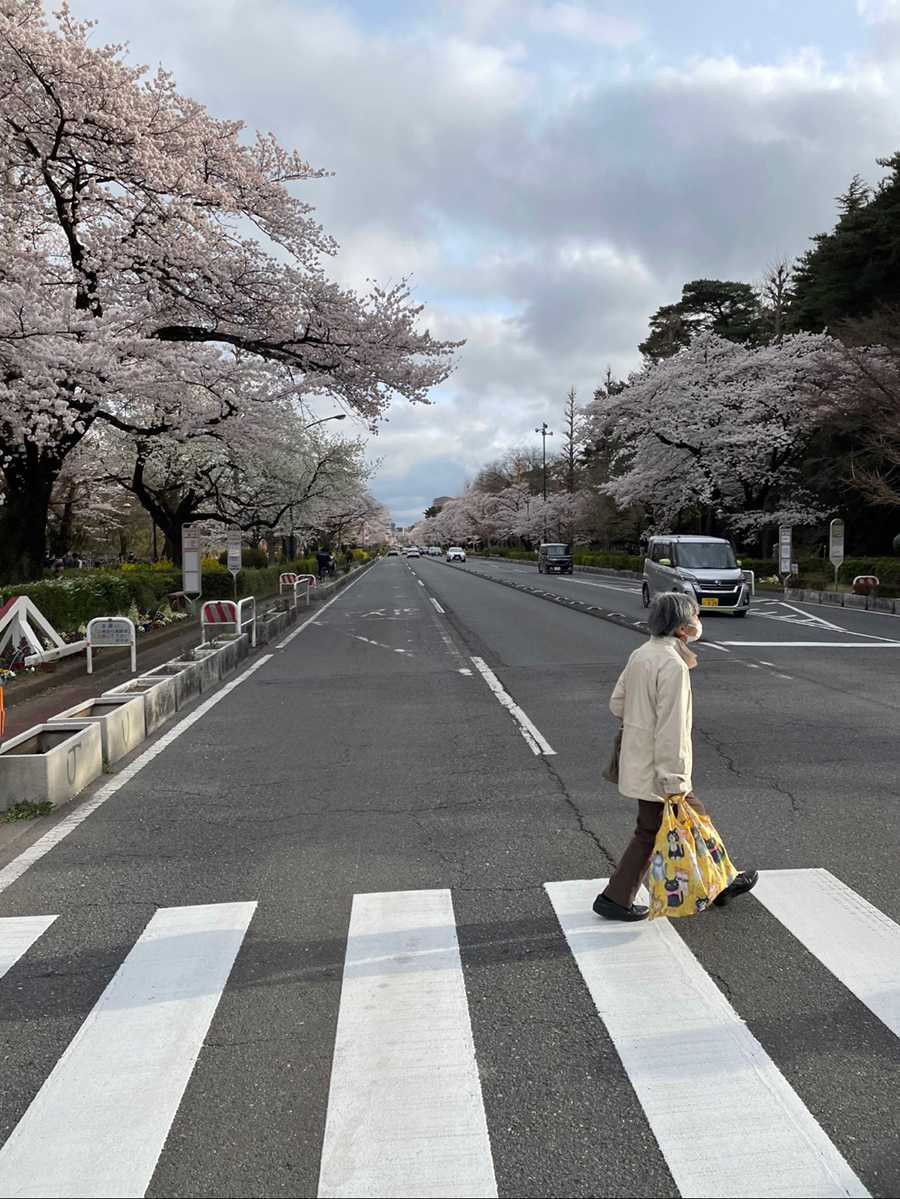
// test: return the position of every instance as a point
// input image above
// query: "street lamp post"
(545, 433)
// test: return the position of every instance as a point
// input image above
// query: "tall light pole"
(545, 433)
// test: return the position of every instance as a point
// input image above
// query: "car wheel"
(645, 595)
(740, 613)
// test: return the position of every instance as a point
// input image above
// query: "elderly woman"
(653, 700)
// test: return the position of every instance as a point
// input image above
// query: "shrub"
(252, 558)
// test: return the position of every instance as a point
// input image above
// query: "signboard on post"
(191, 573)
(836, 546)
(111, 630)
(785, 550)
(235, 554)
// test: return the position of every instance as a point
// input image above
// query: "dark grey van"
(553, 555)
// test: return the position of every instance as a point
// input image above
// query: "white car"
(393, 553)
(412, 552)
(456, 554)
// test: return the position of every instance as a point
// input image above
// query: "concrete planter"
(186, 676)
(208, 663)
(50, 761)
(241, 643)
(121, 721)
(272, 626)
(831, 597)
(855, 601)
(159, 698)
(880, 603)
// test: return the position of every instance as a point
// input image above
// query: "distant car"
(393, 553)
(413, 552)
(435, 551)
(456, 554)
(554, 556)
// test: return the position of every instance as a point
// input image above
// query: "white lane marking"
(850, 937)
(405, 1112)
(674, 1031)
(437, 605)
(716, 645)
(98, 1124)
(762, 663)
(818, 644)
(539, 744)
(17, 935)
(17, 867)
(784, 676)
(753, 666)
(419, 581)
(818, 622)
(314, 619)
(380, 644)
(465, 670)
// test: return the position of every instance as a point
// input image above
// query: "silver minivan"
(703, 567)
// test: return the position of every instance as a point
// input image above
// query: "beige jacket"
(653, 700)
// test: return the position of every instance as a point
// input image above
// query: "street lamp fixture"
(545, 433)
(337, 416)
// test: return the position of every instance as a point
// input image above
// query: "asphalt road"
(164, 1036)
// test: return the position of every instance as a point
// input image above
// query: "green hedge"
(79, 595)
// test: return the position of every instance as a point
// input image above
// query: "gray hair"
(669, 612)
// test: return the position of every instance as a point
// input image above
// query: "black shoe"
(745, 881)
(614, 911)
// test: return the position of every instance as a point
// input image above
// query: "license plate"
(709, 603)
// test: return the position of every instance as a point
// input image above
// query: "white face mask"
(699, 633)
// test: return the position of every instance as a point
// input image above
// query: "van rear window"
(556, 551)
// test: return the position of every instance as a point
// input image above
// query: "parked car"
(704, 568)
(393, 553)
(456, 554)
(413, 552)
(553, 555)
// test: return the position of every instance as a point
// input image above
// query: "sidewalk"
(36, 699)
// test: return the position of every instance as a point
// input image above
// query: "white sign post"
(191, 571)
(111, 630)
(785, 551)
(836, 546)
(235, 554)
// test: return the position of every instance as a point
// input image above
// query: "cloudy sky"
(548, 173)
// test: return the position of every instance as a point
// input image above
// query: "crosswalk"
(405, 1114)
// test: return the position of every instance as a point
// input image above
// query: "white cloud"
(546, 171)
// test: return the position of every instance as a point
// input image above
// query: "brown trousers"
(624, 884)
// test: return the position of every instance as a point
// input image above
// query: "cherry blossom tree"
(722, 428)
(145, 247)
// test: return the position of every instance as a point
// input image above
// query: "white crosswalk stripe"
(850, 937)
(98, 1124)
(676, 1033)
(405, 1114)
(17, 935)
(405, 1111)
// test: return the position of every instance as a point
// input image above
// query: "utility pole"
(545, 433)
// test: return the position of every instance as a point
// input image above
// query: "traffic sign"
(836, 546)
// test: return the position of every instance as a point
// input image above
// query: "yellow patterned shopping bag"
(689, 866)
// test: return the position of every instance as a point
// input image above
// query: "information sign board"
(191, 574)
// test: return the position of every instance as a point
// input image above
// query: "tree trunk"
(23, 518)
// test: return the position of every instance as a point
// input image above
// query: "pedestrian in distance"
(653, 700)
(349, 558)
(323, 558)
